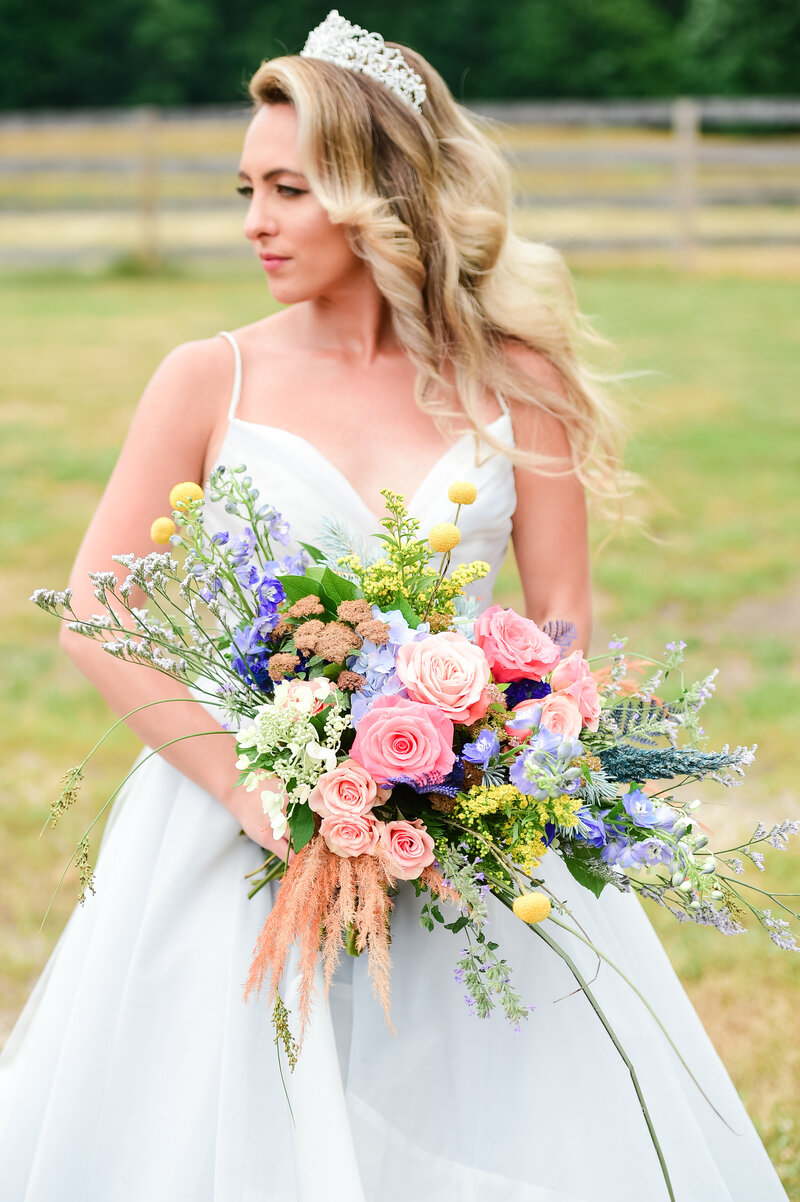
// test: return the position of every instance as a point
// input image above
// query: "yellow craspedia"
(461, 492)
(444, 536)
(532, 907)
(181, 493)
(162, 529)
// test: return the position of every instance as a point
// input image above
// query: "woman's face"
(285, 219)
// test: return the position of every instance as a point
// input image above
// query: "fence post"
(148, 185)
(685, 129)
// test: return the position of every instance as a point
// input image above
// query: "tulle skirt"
(137, 1073)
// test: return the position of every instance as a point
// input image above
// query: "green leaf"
(301, 824)
(399, 601)
(296, 587)
(458, 925)
(315, 553)
(337, 588)
(437, 913)
(589, 881)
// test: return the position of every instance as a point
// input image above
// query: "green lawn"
(716, 435)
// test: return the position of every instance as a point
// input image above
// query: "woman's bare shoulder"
(534, 364)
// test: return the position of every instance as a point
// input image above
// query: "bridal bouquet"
(397, 735)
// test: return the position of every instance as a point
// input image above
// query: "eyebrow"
(275, 171)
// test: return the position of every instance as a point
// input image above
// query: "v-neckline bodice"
(328, 465)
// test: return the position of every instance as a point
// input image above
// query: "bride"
(420, 342)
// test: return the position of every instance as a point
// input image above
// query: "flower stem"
(628, 1064)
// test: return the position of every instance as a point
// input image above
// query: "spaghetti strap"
(237, 377)
(503, 404)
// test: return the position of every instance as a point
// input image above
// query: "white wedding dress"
(136, 1072)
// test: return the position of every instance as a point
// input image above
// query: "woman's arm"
(550, 528)
(166, 444)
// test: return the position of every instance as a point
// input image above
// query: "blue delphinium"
(483, 751)
(544, 768)
(640, 808)
(642, 853)
(591, 828)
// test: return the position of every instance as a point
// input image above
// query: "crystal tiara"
(337, 41)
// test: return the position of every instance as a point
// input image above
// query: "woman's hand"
(246, 807)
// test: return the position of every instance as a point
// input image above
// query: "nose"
(260, 221)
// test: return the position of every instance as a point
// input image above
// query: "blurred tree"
(90, 52)
(740, 47)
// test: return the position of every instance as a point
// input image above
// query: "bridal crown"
(337, 41)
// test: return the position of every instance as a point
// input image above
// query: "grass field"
(715, 432)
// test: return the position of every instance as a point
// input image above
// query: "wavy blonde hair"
(427, 200)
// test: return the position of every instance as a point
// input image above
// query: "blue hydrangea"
(377, 664)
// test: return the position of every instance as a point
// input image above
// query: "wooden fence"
(654, 178)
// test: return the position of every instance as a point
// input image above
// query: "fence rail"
(677, 176)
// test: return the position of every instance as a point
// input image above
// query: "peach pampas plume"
(320, 896)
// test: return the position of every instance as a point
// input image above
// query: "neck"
(352, 323)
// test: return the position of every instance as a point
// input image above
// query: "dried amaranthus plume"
(320, 896)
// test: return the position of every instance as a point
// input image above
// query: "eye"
(245, 190)
(284, 189)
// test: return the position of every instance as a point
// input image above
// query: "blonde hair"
(427, 201)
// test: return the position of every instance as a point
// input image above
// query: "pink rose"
(514, 646)
(402, 738)
(407, 848)
(447, 671)
(573, 677)
(347, 790)
(356, 836)
(561, 715)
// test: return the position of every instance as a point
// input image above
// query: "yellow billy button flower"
(162, 529)
(181, 493)
(462, 492)
(532, 907)
(444, 536)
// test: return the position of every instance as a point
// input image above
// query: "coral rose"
(514, 646)
(573, 677)
(347, 790)
(447, 671)
(407, 848)
(561, 715)
(356, 836)
(399, 738)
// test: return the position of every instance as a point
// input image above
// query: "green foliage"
(301, 824)
(175, 52)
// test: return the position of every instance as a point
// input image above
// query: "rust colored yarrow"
(373, 630)
(305, 637)
(355, 611)
(305, 607)
(282, 664)
(352, 681)
(336, 641)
